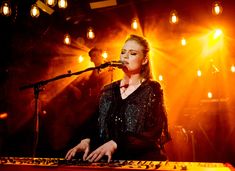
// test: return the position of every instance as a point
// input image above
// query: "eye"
(123, 52)
(133, 53)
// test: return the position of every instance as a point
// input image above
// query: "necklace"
(127, 89)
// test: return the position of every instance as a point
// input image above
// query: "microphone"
(118, 64)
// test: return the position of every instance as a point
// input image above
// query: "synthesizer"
(60, 164)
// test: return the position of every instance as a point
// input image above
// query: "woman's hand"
(106, 149)
(83, 146)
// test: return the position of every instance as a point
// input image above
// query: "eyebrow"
(131, 50)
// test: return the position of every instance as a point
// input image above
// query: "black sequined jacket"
(135, 123)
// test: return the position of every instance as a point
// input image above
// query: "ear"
(145, 61)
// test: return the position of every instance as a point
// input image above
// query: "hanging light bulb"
(160, 78)
(67, 39)
(232, 68)
(62, 3)
(80, 59)
(6, 9)
(173, 17)
(199, 73)
(105, 54)
(209, 94)
(34, 11)
(90, 33)
(183, 42)
(134, 24)
(51, 3)
(217, 8)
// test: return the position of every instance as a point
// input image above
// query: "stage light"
(80, 59)
(209, 95)
(173, 17)
(90, 33)
(5, 9)
(105, 55)
(67, 39)
(183, 42)
(217, 33)
(160, 78)
(199, 73)
(51, 3)
(62, 3)
(134, 24)
(216, 8)
(34, 11)
(232, 68)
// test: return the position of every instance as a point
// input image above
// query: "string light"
(160, 78)
(173, 17)
(67, 39)
(34, 11)
(51, 3)
(183, 42)
(62, 3)
(217, 8)
(6, 9)
(232, 68)
(80, 59)
(90, 33)
(134, 24)
(209, 95)
(105, 55)
(199, 73)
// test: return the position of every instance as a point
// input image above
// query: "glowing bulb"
(199, 73)
(5, 9)
(160, 78)
(90, 34)
(34, 11)
(209, 95)
(217, 9)
(173, 17)
(80, 59)
(183, 42)
(51, 2)
(105, 55)
(62, 3)
(67, 39)
(232, 68)
(134, 24)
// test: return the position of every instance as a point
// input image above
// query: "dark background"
(32, 50)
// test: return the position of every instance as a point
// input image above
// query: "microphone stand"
(37, 89)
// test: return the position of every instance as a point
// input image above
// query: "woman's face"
(133, 57)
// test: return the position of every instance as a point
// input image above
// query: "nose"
(126, 55)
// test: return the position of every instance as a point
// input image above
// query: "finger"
(109, 158)
(109, 154)
(85, 154)
(92, 154)
(72, 153)
(93, 157)
(68, 154)
(98, 157)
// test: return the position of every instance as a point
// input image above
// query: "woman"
(132, 120)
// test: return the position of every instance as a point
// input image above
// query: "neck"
(132, 79)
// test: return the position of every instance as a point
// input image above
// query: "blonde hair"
(145, 70)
